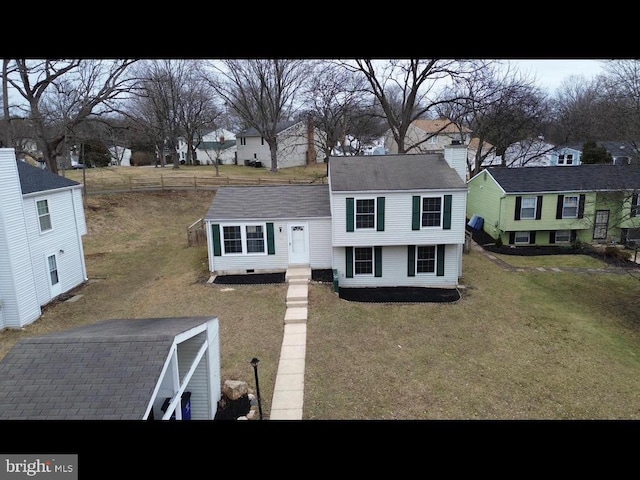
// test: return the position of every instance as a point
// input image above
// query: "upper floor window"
(365, 213)
(43, 215)
(433, 139)
(243, 140)
(570, 207)
(528, 208)
(635, 206)
(431, 211)
(565, 159)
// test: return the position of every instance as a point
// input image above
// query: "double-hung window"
(431, 211)
(522, 237)
(363, 260)
(635, 205)
(365, 213)
(43, 215)
(426, 259)
(570, 207)
(528, 208)
(562, 236)
(243, 239)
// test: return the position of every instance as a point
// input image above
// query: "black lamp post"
(254, 362)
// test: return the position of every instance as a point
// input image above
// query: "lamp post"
(254, 363)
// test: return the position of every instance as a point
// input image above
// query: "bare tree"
(505, 111)
(60, 94)
(261, 91)
(408, 89)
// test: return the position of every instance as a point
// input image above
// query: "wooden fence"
(184, 182)
(196, 234)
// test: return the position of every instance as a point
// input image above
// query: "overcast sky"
(551, 73)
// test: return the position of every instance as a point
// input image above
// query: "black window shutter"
(446, 224)
(634, 202)
(559, 206)
(215, 230)
(380, 214)
(516, 215)
(573, 235)
(539, 208)
(512, 238)
(532, 237)
(552, 236)
(581, 206)
(271, 247)
(349, 261)
(377, 258)
(350, 214)
(415, 213)
(440, 261)
(411, 260)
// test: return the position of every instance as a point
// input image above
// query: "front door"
(601, 225)
(298, 244)
(54, 278)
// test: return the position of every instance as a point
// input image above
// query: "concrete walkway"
(288, 391)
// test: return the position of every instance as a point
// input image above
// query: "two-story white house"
(429, 135)
(298, 145)
(382, 220)
(41, 227)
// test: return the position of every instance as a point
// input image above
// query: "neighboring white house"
(41, 227)
(120, 156)
(424, 136)
(217, 145)
(383, 220)
(298, 145)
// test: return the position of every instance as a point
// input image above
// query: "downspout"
(75, 219)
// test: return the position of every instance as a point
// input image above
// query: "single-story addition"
(382, 221)
(121, 369)
(550, 205)
(266, 228)
(42, 222)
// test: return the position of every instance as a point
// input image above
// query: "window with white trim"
(363, 260)
(565, 159)
(244, 239)
(365, 213)
(53, 270)
(563, 236)
(431, 211)
(528, 208)
(43, 215)
(570, 207)
(521, 237)
(426, 259)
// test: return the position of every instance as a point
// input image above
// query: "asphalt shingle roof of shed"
(392, 172)
(34, 179)
(103, 371)
(270, 202)
(581, 178)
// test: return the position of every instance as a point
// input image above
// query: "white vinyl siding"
(319, 249)
(394, 270)
(398, 221)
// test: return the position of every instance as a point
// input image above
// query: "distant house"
(122, 369)
(555, 206)
(41, 227)
(566, 156)
(383, 220)
(120, 156)
(218, 145)
(298, 145)
(622, 153)
(425, 135)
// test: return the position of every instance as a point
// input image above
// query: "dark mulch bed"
(488, 243)
(399, 295)
(250, 279)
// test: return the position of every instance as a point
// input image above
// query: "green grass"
(549, 261)
(517, 345)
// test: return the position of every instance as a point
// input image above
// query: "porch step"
(298, 274)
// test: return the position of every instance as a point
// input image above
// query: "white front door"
(53, 274)
(298, 243)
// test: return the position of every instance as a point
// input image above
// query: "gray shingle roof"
(582, 178)
(252, 132)
(34, 179)
(269, 202)
(392, 172)
(104, 371)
